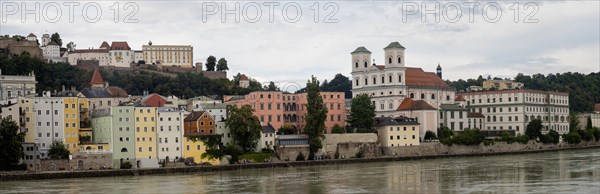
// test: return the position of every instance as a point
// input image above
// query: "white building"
(120, 54)
(267, 138)
(454, 117)
(389, 84)
(421, 112)
(244, 81)
(193, 104)
(13, 86)
(513, 109)
(138, 56)
(49, 113)
(169, 133)
(222, 129)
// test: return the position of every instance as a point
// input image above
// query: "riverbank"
(196, 169)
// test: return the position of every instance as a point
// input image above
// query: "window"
(400, 61)
(390, 60)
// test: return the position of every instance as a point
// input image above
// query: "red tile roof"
(474, 115)
(410, 104)
(96, 77)
(418, 77)
(380, 67)
(243, 77)
(459, 98)
(120, 46)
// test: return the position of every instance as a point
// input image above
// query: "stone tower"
(361, 59)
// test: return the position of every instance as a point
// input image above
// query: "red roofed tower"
(97, 81)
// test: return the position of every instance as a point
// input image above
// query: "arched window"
(433, 96)
(374, 80)
(494, 118)
(356, 64)
(412, 95)
(357, 82)
(399, 60)
(399, 78)
(448, 97)
(382, 79)
(124, 150)
(365, 64)
(422, 96)
(390, 60)
(390, 79)
(366, 81)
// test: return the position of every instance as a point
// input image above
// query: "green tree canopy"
(245, 127)
(429, 135)
(574, 123)
(315, 117)
(71, 46)
(11, 150)
(534, 129)
(271, 87)
(337, 129)
(211, 62)
(288, 129)
(58, 150)
(362, 114)
(444, 132)
(222, 65)
(56, 38)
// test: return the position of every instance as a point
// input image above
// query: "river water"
(571, 171)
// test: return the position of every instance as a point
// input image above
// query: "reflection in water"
(576, 171)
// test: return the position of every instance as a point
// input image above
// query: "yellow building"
(401, 131)
(71, 121)
(195, 150)
(26, 105)
(145, 132)
(168, 55)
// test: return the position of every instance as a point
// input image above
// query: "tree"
(11, 150)
(58, 150)
(271, 87)
(362, 114)
(444, 132)
(211, 62)
(315, 117)
(534, 129)
(573, 122)
(56, 38)
(589, 123)
(222, 65)
(288, 129)
(572, 137)
(245, 127)
(551, 137)
(71, 46)
(429, 135)
(337, 129)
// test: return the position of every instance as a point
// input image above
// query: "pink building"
(280, 109)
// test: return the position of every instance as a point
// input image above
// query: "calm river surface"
(574, 171)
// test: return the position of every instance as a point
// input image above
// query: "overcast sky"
(564, 36)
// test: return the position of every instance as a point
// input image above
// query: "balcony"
(85, 139)
(85, 124)
(82, 110)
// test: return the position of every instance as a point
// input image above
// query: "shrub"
(596, 133)
(551, 137)
(572, 137)
(429, 135)
(359, 155)
(126, 165)
(488, 142)
(267, 151)
(300, 157)
(587, 134)
(444, 132)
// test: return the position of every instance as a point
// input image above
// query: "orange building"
(279, 109)
(199, 123)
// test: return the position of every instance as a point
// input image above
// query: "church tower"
(438, 71)
(394, 55)
(361, 59)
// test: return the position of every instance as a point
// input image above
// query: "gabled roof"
(194, 116)
(104, 45)
(459, 98)
(418, 77)
(95, 93)
(380, 67)
(382, 121)
(361, 49)
(116, 91)
(475, 115)
(96, 77)
(120, 46)
(31, 35)
(243, 78)
(394, 45)
(410, 104)
(268, 129)
(152, 95)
